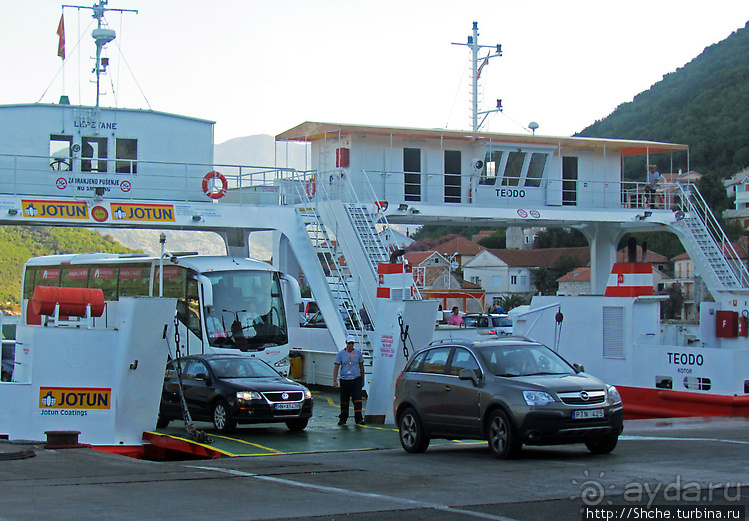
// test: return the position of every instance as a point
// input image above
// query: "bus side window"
(105, 279)
(188, 306)
(74, 277)
(133, 280)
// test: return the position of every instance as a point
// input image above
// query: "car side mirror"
(204, 377)
(578, 368)
(468, 374)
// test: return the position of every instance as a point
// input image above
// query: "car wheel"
(503, 439)
(222, 418)
(298, 424)
(603, 445)
(162, 422)
(411, 432)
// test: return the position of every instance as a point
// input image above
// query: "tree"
(561, 238)
(672, 307)
(511, 301)
(497, 240)
(545, 278)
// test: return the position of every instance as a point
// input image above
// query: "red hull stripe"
(642, 403)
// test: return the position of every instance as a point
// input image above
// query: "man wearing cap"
(351, 364)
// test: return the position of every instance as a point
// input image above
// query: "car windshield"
(501, 321)
(523, 360)
(241, 368)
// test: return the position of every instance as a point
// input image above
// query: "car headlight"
(614, 394)
(537, 398)
(247, 396)
(282, 362)
(307, 393)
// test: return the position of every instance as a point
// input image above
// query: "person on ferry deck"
(455, 318)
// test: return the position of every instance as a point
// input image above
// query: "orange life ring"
(209, 185)
(310, 187)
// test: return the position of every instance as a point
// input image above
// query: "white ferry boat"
(66, 165)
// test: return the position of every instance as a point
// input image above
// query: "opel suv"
(510, 392)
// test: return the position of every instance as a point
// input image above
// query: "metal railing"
(714, 246)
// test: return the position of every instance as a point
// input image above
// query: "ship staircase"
(710, 249)
(343, 231)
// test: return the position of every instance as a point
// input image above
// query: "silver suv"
(510, 392)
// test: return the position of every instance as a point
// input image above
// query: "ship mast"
(101, 36)
(473, 43)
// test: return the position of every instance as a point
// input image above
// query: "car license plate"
(280, 406)
(584, 415)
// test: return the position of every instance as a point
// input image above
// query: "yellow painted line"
(193, 442)
(247, 443)
(378, 428)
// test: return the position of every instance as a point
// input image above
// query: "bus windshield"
(247, 312)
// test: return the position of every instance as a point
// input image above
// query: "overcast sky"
(261, 67)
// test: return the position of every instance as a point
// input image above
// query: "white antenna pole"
(101, 36)
(473, 43)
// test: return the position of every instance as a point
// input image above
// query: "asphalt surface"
(688, 462)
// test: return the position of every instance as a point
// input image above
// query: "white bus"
(224, 304)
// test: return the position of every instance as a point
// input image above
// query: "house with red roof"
(501, 272)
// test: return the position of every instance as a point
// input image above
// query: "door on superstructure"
(569, 181)
(412, 174)
(452, 176)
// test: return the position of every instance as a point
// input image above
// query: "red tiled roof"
(541, 257)
(577, 275)
(460, 245)
(415, 258)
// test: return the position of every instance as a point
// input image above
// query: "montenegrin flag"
(61, 42)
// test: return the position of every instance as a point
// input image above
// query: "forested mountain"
(19, 243)
(704, 104)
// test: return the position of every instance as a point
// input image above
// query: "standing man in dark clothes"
(350, 363)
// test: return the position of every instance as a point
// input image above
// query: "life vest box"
(72, 301)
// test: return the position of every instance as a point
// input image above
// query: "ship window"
(492, 161)
(697, 383)
(412, 174)
(59, 152)
(513, 169)
(536, 169)
(127, 154)
(452, 176)
(94, 154)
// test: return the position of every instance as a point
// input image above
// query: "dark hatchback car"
(232, 389)
(508, 391)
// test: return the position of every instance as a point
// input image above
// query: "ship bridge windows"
(126, 153)
(492, 165)
(536, 169)
(94, 154)
(513, 169)
(60, 156)
(521, 168)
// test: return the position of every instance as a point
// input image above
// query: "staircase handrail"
(693, 202)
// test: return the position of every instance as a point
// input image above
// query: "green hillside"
(704, 104)
(19, 243)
